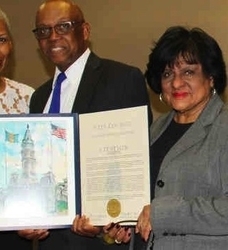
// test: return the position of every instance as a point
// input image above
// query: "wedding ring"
(118, 242)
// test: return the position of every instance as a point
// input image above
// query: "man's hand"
(81, 225)
(33, 234)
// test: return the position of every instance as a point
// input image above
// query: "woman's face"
(5, 45)
(186, 89)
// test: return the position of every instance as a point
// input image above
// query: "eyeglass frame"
(51, 28)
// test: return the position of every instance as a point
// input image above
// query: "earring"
(213, 91)
(160, 97)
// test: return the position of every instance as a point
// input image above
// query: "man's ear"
(86, 30)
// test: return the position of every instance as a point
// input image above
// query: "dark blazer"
(105, 85)
(11, 240)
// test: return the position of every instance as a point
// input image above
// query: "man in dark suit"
(92, 84)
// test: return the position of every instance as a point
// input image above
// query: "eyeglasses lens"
(43, 32)
(60, 29)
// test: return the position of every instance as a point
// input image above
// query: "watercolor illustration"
(34, 167)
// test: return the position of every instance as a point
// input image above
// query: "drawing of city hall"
(27, 190)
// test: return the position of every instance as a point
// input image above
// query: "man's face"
(62, 49)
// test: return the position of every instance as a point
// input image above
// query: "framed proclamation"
(53, 167)
(114, 162)
(37, 171)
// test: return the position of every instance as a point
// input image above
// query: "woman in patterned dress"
(14, 96)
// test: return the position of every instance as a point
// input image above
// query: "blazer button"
(160, 183)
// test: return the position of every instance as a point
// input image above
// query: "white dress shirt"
(70, 85)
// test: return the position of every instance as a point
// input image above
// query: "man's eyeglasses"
(60, 29)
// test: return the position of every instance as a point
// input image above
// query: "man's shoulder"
(40, 97)
(45, 85)
(42, 91)
(112, 64)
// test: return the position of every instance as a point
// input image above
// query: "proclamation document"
(114, 165)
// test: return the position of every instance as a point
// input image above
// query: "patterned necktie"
(55, 102)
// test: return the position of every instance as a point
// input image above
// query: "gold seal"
(113, 208)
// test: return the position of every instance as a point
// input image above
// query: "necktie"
(55, 102)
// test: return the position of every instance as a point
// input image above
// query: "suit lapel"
(194, 134)
(90, 77)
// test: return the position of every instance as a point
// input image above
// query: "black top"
(161, 147)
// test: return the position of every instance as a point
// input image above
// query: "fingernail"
(111, 226)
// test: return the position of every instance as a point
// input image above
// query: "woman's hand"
(143, 225)
(118, 233)
(33, 234)
(111, 233)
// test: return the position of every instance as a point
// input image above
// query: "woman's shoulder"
(23, 88)
(223, 114)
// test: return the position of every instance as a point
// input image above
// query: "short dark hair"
(195, 46)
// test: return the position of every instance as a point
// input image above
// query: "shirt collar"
(77, 66)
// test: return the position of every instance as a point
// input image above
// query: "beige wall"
(121, 29)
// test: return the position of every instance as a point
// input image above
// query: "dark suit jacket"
(105, 85)
(11, 240)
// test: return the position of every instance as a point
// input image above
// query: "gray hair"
(5, 18)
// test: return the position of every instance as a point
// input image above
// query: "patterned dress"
(15, 98)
